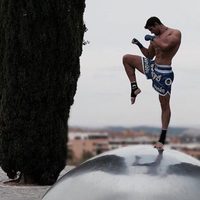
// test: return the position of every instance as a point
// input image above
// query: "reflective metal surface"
(131, 173)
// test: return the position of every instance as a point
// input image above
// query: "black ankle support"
(163, 136)
(134, 87)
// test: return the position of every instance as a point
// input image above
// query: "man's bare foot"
(159, 146)
(134, 94)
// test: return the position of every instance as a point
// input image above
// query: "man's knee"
(126, 58)
(129, 59)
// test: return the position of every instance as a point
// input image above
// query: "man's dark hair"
(151, 22)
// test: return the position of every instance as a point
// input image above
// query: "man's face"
(154, 29)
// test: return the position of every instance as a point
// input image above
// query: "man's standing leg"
(165, 119)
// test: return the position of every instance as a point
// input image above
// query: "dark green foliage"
(40, 45)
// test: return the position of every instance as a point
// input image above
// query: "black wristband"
(140, 45)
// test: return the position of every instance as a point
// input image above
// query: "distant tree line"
(40, 45)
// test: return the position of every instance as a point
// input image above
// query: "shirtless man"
(156, 65)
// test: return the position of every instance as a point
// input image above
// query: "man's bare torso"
(170, 40)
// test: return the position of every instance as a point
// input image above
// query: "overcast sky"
(103, 93)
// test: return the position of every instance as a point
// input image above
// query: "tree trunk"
(40, 46)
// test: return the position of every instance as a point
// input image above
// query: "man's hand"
(135, 41)
(149, 37)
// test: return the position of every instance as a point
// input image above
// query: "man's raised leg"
(132, 62)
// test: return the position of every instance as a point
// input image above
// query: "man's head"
(153, 24)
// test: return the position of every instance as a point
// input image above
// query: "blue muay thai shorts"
(162, 76)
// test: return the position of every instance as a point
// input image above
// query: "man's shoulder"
(175, 31)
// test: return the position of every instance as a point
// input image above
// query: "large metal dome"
(131, 173)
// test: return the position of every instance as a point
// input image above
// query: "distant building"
(86, 144)
(83, 145)
(123, 141)
(192, 149)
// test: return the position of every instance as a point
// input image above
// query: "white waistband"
(163, 71)
(165, 66)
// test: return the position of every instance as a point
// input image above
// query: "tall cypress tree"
(40, 45)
